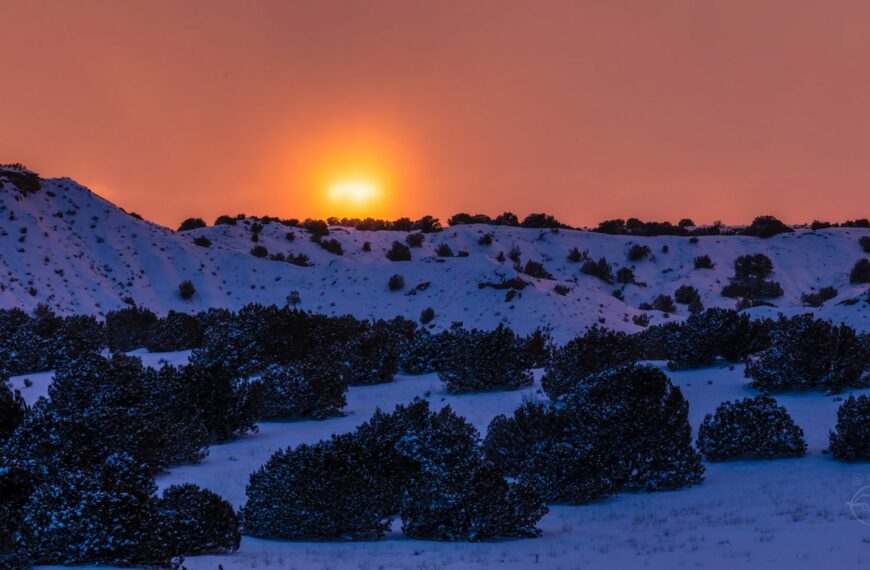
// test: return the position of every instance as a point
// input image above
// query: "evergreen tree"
(753, 428)
(197, 521)
(637, 411)
(809, 353)
(457, 494)
(312, 388)
(851, 439)
(324, 490)
(474, 360)
(106, 515)
(599, 349)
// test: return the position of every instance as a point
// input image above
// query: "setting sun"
(354, 192)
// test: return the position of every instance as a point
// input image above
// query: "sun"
(354, 192)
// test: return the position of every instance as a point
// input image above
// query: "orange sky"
(589, 110)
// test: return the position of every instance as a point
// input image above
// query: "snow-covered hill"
(67, 247)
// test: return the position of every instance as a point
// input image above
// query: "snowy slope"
(69, 248)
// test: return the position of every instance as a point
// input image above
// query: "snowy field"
(746, 514)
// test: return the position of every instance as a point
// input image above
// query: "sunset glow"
(354, 193)
(594, 110)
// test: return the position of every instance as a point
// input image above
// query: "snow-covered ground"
(69, 248)
(746, 514)
(75, 251)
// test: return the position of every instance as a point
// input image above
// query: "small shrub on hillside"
(641, 320)
(415, 239)
(600, 269)
(536, 269)
(259, 251)
(333, 246)
(576, 256)
(625, 276)
(191, 224)
(202, 241)
(749, 280)
(186, 290)
(560, 289)
(396, 282)
(686, 294)
(704, 262)
(443, 250)
(399, 252)
(664, 303)
(475, 360)
(427, 315)
(850, 441)
(637, 252)
(367, 246)
(599, 349)
(752, 428)
(225, 220)
(860, 272)
(864, 241)
(818, 298)
(485, 239)
(808, 353)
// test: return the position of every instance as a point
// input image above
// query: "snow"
(746, 514)
(81, 254)
(96, 255)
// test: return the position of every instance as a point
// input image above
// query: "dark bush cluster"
(752, 428)
(600, 269)
(42, 340)
(860, 272)
(425, 466)
(765, 227)
(191, 224)
(818, 298)
(704, 262)
(637, 252)
(750, 279)
(78, 467)
(688, 295)
(508, 219)
(475, 360)
(399, 252)
(807, 353)
(850, 440)
(711, 334)
(598, 350)
(625, 428)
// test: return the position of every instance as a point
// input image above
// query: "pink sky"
(589, 110)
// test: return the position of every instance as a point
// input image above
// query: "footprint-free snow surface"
(789, 513)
